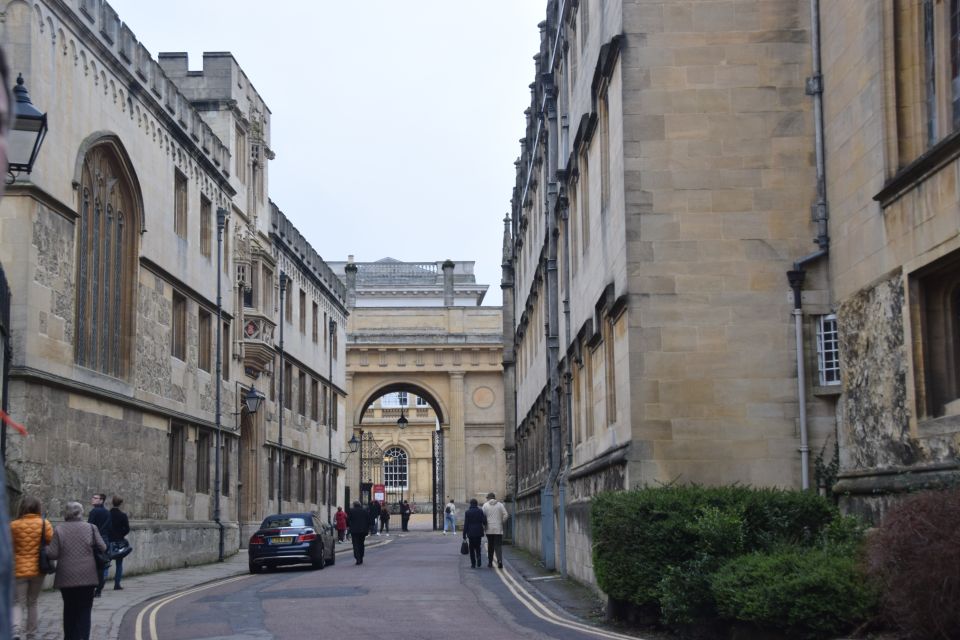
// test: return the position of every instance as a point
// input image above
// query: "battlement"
(221, 81)
(297, 247)
(155, 84)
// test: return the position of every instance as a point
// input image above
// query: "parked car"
(291, 538)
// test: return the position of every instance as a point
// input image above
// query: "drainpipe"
(568, 398)
(821, 218)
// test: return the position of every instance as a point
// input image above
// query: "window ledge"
(827, 390)
(944, 425)
(944, 152)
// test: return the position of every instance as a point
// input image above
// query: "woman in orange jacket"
(25, 532)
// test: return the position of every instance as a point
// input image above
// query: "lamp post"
(218, 382)
(283, 288)
(332, 330)
(26, 135)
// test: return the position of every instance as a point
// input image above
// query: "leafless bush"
(915, 558)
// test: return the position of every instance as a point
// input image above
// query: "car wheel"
(253, 568)
(333, 557)
(271, 568)
(321, 563)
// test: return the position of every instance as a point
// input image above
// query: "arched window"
(395, 468)
(107, 237)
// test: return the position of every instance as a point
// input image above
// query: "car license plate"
(281, 540)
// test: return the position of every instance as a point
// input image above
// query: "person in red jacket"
(26, 532)
(340, 518)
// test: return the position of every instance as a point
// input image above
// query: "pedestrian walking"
(117, 542)
(26, 532)
(340, 518)
(76, 577)
(385, 519)
(496, 517)
(359, 528)
(450, 517)
(100, 518)
(374, 513)
(474, 523)
(404, 515)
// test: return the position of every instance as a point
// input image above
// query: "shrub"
(647, 541)
(808, 592)
(915, 557)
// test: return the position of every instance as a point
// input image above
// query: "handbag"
(100, 557)
(47, 566)
(464, 548)
(119, 549)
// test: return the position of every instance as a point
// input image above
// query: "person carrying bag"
(29, 533)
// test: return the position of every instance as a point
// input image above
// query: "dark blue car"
(291, 538)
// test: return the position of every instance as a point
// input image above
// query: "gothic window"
(395, 468)
(302, 480)
(241, 156)
(180, 204)
(314, 485)
(316, 321)
(937, 294)
(314, 399)
(178, 327)
(203, 461)
(203, 341)
(225, 352)
(610, 370)
(287, 475)
(106, 264)
(303, 311)
(178, 438)
(225, 450)
(206, 227)
(302, 393)
(287, 386)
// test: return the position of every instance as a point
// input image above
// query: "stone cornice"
(30, 190)
(307, 454)
(33, 374)
(182, 286)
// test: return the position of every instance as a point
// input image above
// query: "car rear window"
(285, 521)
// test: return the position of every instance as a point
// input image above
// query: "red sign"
(379, 492)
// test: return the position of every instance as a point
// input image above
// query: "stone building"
(892, 108)
(420, 345)
(663, 192)
(111, 247)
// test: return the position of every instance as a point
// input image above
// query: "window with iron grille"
(203, 462)
(395, 468)
(828, 350)
(178, 436)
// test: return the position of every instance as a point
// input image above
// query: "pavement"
(109, 610)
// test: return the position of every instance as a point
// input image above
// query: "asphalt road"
(415, 586)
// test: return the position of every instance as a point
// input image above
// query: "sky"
(395, 124)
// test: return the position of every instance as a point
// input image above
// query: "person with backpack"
(117, 542)
(450, 517)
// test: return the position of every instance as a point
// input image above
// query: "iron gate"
(438, 500)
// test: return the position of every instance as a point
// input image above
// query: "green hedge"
(654, 546)
(809, 592)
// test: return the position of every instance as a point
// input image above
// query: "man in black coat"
(404, 515)
(374, 516)
(359, 523)
(100, 518)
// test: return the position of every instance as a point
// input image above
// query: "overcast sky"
(395, 124)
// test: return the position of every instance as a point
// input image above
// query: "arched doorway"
(248, 475)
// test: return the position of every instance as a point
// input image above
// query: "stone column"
(448, 283)
(456, 452)
(350, 271)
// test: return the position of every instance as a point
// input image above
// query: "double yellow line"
(151, 610)
(541, 611)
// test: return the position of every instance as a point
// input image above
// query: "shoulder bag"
(47, 566)
(100, 557)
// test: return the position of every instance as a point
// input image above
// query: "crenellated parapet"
(296, 248)
(127, 67)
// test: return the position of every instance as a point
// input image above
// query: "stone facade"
(110, 246)
(447, 351)
(663, 192)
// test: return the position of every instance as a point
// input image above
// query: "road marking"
(541, 611)
(543, 578)
(154, 607)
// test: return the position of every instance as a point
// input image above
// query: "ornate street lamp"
(353, 443)
(27, 133)
(253, 399)
(402, 420)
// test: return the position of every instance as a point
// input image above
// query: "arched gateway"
(420, 346)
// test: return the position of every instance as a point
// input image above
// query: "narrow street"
(414, 585)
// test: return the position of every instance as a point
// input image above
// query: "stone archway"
(452, 357)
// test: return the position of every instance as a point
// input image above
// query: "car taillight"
(307, 537)
(257, 540)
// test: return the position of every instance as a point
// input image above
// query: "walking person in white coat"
(496, 517)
